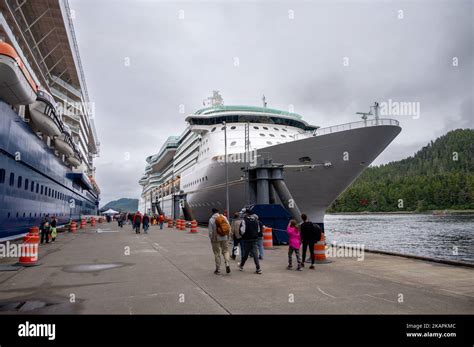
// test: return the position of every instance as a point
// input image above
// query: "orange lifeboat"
(17, 87)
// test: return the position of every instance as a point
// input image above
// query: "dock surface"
(111, 270)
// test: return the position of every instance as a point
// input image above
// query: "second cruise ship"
(320, 163)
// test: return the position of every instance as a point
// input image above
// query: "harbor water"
(437, 236)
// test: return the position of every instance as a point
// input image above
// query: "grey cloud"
(292, 61)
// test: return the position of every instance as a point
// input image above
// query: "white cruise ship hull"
(349, 152)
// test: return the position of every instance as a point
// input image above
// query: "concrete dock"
(106, 269)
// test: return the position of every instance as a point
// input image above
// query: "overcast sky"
(326, 59)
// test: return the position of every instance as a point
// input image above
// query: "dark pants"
(136, 226)
(44, 236)
(290, 256)
(250, 246)
(309, 243)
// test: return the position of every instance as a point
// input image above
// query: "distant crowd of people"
(246, 234)
(139, 221)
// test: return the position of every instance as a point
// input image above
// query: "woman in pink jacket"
(294, 242)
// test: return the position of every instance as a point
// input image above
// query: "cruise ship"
(319, 163)
(47, 134)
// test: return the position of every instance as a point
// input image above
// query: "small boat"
(44, 115)
(63, 143)
(73, 160)
(17, 87)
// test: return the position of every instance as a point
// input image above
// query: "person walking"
(44, 226)
(260, 240)
(146, 223)
(161, 220)
(219, 229)
(236, 237)
(294, 244)
(137, 220)
(310, 234)
(249, 229)
(54, 231)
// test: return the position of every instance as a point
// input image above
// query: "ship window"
(272, 135)
(26, 183)
(222, 128)
(41, 190)
(284, 129)
(262, 134)
(206, 178)
(19, 181)
(269, 143)
(2, 175)
(32, 188)
(255, 127)
(213, 129)
(233, 127)
(276, 129)
(283, 135)
(265, 128)
(12, 178)
(37, 187)
(233, 143)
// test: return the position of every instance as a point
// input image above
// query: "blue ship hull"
(34, 182)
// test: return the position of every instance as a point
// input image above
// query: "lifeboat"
(73, 160)
(63, 143)
(44, 115)
(17, 87)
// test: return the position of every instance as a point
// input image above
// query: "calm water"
(426, 235)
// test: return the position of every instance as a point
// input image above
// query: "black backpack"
(252, 228)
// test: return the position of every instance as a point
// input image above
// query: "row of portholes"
(36, 214)
(200, 180)
(32, 186)
(255, 127)
(233, 143)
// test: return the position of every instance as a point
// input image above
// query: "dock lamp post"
(226, 171)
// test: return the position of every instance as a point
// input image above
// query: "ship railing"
(356, 125)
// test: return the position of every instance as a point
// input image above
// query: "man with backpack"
(219, 229)
(310, 234)
(250, 229)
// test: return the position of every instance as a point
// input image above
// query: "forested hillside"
(439, 176)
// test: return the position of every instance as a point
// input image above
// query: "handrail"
(356, 125)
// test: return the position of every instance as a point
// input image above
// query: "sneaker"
(233, 257)
(258, 272)
(261, 258)
(302, 264)
(217, 272)
(227, 269)
(241, 268)
(289, 267)
(312, 267)
(299, 268)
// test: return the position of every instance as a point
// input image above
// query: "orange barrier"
(170, 223)
(34, 230)
(29, 248)
(72, 227)
(177, 224)
(83, 223)
(320, 251)
(183, 224)
(194, 226)
(92, 221)
(267, 238)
